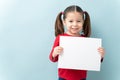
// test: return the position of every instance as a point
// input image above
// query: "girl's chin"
(75, 34)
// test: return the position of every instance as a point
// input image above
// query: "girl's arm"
(51, 56)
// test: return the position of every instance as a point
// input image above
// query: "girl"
(77, 23)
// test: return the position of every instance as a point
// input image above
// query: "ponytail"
(87, 25)
(59, 28)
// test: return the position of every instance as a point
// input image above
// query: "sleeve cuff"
(102, 59)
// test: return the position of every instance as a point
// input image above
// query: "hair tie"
(84, 12)
(62, 12)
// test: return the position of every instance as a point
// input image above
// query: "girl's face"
(74, 23)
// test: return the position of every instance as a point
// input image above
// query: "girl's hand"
(57, 50)
(101, 51)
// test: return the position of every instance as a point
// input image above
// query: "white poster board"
(80, 53)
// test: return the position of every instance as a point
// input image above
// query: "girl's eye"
(78, 21)
(70, 21)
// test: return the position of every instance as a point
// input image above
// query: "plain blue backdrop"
(27, 35)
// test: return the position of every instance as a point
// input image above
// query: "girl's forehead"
(74, 15)
(74, 12)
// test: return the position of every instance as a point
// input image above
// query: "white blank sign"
(80, 53)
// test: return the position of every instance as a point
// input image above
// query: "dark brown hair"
(59, 28)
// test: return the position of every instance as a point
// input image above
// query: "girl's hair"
(59, 28)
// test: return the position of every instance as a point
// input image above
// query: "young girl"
(77, 23)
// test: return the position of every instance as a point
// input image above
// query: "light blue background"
(27, 35)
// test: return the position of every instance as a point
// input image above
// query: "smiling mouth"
(75, 28)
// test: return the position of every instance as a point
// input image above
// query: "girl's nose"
(75, 23)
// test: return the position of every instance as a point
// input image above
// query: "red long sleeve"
(56, 43)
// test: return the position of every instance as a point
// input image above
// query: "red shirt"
(69, 74)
